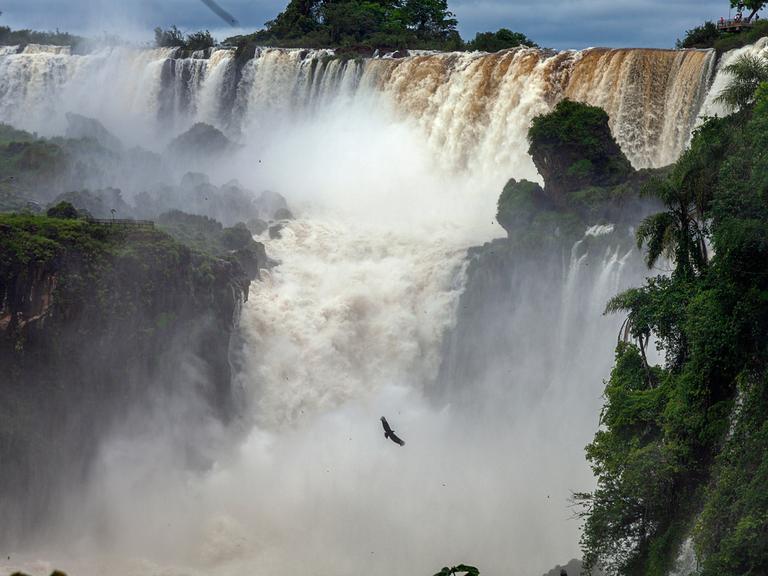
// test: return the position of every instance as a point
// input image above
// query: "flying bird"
(389, 433)
(220, 12)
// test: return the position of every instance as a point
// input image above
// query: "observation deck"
(734, 25)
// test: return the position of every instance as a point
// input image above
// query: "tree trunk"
(648, 374)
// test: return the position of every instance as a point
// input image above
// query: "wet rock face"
(96, 320)
(573, 149)
(201, 142)
(81, 127)
(587, 178)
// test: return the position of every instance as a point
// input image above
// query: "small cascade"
(686, 564)
(713, 108)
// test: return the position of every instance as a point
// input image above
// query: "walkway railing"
(125, 223)
(734, 24)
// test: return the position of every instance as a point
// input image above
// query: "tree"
(237, 237)
(170, 38)
(63, 210)
(354, 19)
(748, 72)
(430, 17)
(703, 36)
(679, 233)
(299, 17)
(372, 23)
(201, 40)
(461, 568)
(500, 40)
(754, 5)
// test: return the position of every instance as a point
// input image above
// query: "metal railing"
(122, 222)
(734, 23)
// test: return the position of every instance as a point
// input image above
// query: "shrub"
(499, 40)
(63, 210)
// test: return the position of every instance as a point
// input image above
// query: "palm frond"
(748, 72)
(657, 233)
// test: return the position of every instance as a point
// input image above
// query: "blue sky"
(556, 23)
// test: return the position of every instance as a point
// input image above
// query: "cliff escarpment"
(97, 320)
(528, 348)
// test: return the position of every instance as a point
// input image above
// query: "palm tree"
(748, 72)
(679, 233)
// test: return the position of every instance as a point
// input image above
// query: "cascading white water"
(474, 108)
(349, 313)
(713, 108)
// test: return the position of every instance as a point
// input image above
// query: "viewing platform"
(734, 25)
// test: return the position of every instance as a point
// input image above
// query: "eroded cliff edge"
(99, 320)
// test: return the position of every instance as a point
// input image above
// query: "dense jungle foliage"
(683, 446)
(392, 23)
(374, 24)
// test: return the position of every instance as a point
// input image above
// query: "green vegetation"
(708, 36)
(686, 444)
(703, 36)
(460, 569)
(63, 211)
(500, 40)
(386, 24)
(754, 5)
(92, 316)
(587, 179)
(732, 41)
(361, 26)
(28, 165)
(174, 38)
(10, 37)
(573, 148)
(207, 236)
(747, 72)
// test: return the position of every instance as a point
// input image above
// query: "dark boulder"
(202, 142)
(573, 149)
(81, 127)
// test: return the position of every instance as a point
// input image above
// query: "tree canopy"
(753, 5)
(10, 37)
(499, 40)
(174, 38)
(390, 23)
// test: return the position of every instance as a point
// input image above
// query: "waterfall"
(686, 563)
(474, 108)
(349, 313)
(710, 106)
(490, 367)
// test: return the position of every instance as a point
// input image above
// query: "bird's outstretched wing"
(384, 423)
(220, 12)
(396, 439)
